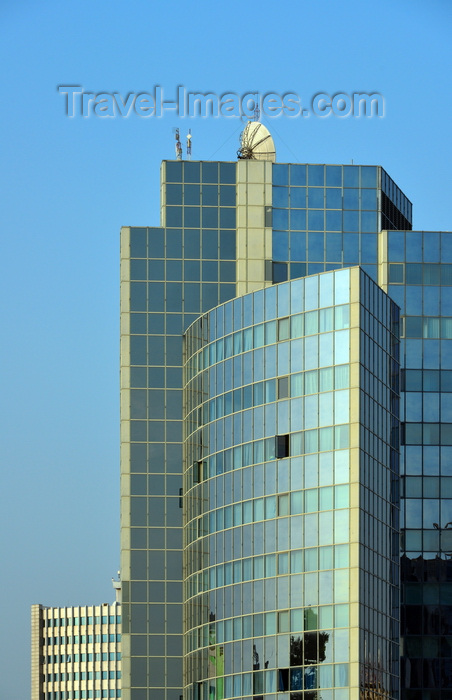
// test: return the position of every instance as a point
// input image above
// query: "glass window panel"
(227, 196)
(446, 328)
(227, 245)
(369, 199)
(341, 376)
(297, 197)
(280, 196)
(326, 349)
(259, 335)
(297, 174)
(413, 272)
(280, 219)
(297, 252)
(279, 272)
(342, 287)
(311, 438)
(191, 195)
(316, 175)
(431, 251)
(227, 173)
(396, 272)
(173, 172)
(297, 223)
(446, 274)
(396, 246)
(341, 406)
(326, 379)
(296, 561)
(341, 466)
(334, 175)
(311, 322)
(333, 247)
(326, 498)
(315, 197)
(342, 317)
(369, 254)
(315, 223)
(191, 172)
(413, 326)
(431, 274)
(341, 518)
(280, 174)
(326, 409)
(296, 326)
(351, 198)
(333, 221)
(333, 198)
(368, 222)
(326, 562)
(280, 249)
(341, 615)
(431, 433)
(311, 344)
(341, 347)
(351, 176)
(350, 223)
(311, 382)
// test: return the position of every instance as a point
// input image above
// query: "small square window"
(282, 446)
(268, 217)
(283, 621)
(283, 504)
(283, 387)
(396, 271)
(283, 679)
(283, 328)
(279, 272)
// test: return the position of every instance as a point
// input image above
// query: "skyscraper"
(291, 564)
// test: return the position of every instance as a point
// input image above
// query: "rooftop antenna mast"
(178, 145)
(189, 145)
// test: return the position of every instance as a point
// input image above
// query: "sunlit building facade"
(417, 273)
(235, 234)
(76, 652)
(291, 555)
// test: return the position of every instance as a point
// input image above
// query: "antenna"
(257, 113)
(189, 145)
(178, 145)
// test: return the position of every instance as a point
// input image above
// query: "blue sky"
(69, 184)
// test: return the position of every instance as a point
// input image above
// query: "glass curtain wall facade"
(228, 229)
(291, 529)
(329, 216)
(417, 273)
(169, 275)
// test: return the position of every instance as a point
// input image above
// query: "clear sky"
(67, 185)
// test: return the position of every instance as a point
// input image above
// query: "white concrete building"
(76, 652)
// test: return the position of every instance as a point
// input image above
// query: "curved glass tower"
(290, 518)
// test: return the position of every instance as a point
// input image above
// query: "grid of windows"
(171, 275)
(419, 276)
(323, 218)
(268, 523)
(328, 216)
(78, 652)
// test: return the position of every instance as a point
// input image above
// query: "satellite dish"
(256, 143)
